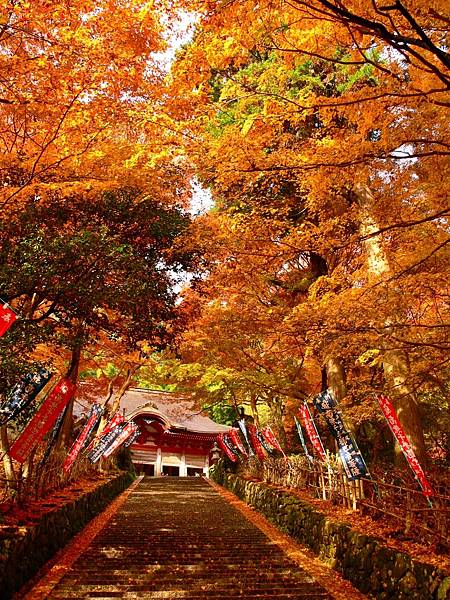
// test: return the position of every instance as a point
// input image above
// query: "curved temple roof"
(177, 410)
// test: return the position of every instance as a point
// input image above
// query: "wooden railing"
(405, 509)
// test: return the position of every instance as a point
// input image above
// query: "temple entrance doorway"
(171, 471)
(194, 472)
(149, 470)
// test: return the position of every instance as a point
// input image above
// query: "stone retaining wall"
(378, 571)
(24, 550)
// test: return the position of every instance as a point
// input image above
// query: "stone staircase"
(178, 538)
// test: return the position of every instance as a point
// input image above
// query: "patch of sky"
(201, 199)
(176, 34)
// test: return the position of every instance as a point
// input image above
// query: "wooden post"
(354, 496)
(361, 489)
(345, 481)
(322, 483)
(330, 476)
(408, 517)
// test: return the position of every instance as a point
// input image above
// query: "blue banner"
(23, 394)
(349, 453)
(302, 440)
(229, 444)
(267, 447)
(243, 428)
(134, 436)
(104, 443)
(97, 410)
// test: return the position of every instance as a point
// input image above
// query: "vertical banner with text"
(349, 453)
(311, 430)
(253, 433)
(104, 443)
(271, 439)
(7, 318)
(133, 437)
(265, 444)
(243, 428)
(225, 444)
(234, 436)
(404, 443)
(115, 420)
(43, 419)
(23, 393)
(92, 419)
(126, 432)
(302, 440)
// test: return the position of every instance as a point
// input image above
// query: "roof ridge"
(139, 389)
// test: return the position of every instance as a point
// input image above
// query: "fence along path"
(179, 538)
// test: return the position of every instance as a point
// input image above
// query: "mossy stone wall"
(24, 550)
(378, 571)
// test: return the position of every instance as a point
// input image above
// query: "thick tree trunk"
(336, 377)
(7, 462)
(65, 433)
(276, 412)
(395, 361)
(396, 372)
(334, 374)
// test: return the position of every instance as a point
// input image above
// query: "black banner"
(302, 440)
(134, 436)
(264, 443)
(243, 428)
(23, 394)
(229, 444)
(108, 439)
(96, 409)
(350, 455)
(52, 438)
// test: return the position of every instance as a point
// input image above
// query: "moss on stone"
(380, 572)
(24, 551)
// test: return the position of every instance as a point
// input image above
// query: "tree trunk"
(7, 462)
(254, 408)
(334, 374)
(65, 433)
(336, 377)
(276, 412)
(130, 373)
(396, 371)
(395, 361)
(114, 407)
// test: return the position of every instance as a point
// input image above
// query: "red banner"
(225, 448)
(404, 443)
(43, 419)
(234, 436)
(311, 430)
(128, 430)
(95, 413)
(255, 441)
(7, 318)
(270, 437)
(117, 419)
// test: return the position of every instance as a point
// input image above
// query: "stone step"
(179, 538)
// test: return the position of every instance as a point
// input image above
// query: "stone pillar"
(206, 467)
(183, 468)
(158, 465)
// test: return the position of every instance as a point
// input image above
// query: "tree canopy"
(320, 129)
